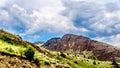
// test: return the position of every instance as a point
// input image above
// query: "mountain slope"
(12, 61)
(14, 51)
(12, 38)
(12, 45)
(78, 44)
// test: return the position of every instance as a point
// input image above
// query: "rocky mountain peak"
(77, 44)
(72, 37)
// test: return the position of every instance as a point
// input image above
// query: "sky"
(40, 20)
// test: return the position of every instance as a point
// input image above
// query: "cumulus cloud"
(4, 16)
(38, 4)
(47, 19)
(101, 18)
(50, 20)
(27, 19)
(2, 2)
(114, 39)
(87, 17)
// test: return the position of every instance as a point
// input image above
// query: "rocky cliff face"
(77, 44)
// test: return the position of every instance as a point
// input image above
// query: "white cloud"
(46, 18)
(95, 1)
(114, 40)
(2, 3)
(4, 15)
(21, 16)
(50, 20)
(38, 4)
(106, 23)
(81, 9)
(100, 18)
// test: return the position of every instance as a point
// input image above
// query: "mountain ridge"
(79, 44)
(17, 53)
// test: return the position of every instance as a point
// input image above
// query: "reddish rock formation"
(77, 44)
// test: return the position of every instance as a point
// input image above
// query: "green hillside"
(16, 53)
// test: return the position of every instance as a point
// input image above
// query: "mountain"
(17, 53)
(79, 44)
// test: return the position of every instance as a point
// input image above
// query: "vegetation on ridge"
(31, 56)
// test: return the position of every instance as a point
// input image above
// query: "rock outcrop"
(77, 44)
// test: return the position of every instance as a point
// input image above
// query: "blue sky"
(40, 20)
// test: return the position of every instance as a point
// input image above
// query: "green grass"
(79, 61)
(70, 60)
(11, 48)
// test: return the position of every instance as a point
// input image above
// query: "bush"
(75, 62)
(62, 55)
(94, 57)
(47, 63)
(36, 61)
(6, 38)
(115, 63)
(29, 53)
(94, 62)
(9, 49)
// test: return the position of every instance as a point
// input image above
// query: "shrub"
(62, 55)
(94, 57)
(47, 63)
(94, 62)
(75, 62)
(6, 38)
(9, 49)
(98, 62)
(36, 61)
(115, 63)
(29, 53)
